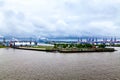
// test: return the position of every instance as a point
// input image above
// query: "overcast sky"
(60, 18)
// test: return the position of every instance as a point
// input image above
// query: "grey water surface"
(36, 65)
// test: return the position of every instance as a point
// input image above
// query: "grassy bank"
(37, 48)
(2, 46)
(43, 47)
(70, 48)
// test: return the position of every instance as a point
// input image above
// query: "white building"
(23, 43)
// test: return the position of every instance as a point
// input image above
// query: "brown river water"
(36, 65)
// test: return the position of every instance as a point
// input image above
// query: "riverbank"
(2, 46)
(35, 49)
(88, 50)
(68, 50)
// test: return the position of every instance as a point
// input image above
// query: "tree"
(55, 45)
(79, 46)
(87, 45)
(65, 45)
(102, 46)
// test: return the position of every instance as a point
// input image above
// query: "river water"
(35, 65)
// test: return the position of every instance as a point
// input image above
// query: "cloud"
(53, 18)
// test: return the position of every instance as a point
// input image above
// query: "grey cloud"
(2, 3)
(61, 18)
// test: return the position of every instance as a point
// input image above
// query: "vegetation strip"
(70, 48)
(1, 46)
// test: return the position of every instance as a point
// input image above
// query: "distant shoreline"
(68, 51)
